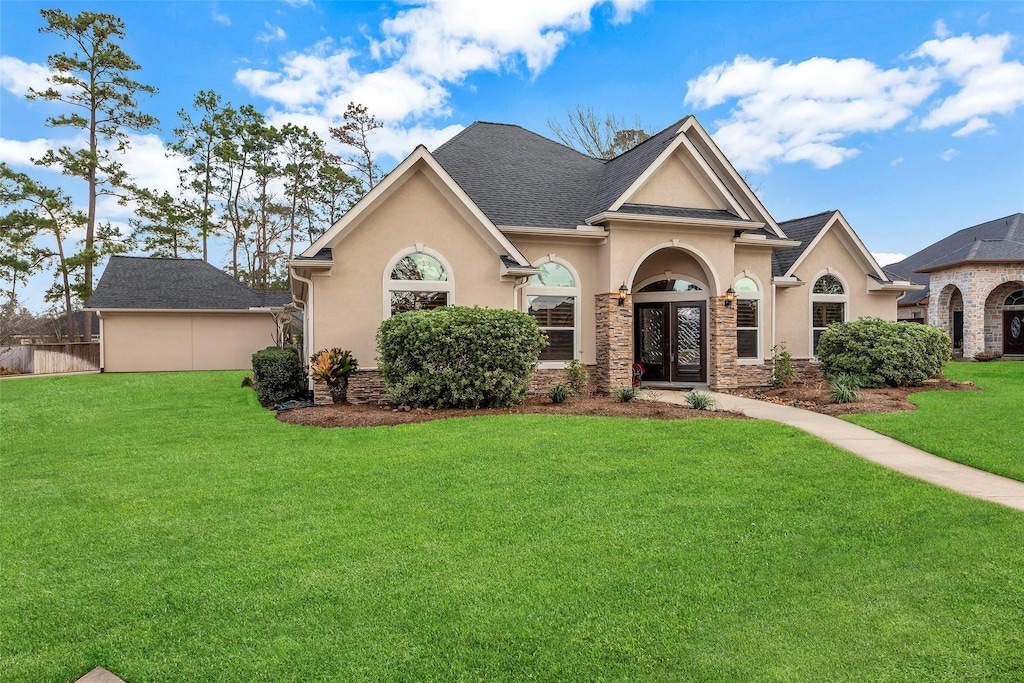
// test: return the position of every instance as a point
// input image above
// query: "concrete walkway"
(872, 446)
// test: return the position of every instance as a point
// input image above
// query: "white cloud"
(20, 153)
(896, 162)
(422, 51)
(988, 84)
(800, 112)
(399, 142)
(973, 126)
(949, 154)
(300, 3)
(941, 30)
(885, 258)
(220, 17)
(17, 76)
(272, 33)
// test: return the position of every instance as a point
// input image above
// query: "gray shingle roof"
(517, 177)
(803, 229)
(681, 212)
(998, 240)
(175, 284)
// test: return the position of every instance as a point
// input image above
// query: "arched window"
(748, 319)
(672, 285)
(1015, 298)
(828, 305)
(551, 298)
(417, 280)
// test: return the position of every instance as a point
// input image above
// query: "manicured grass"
(165, 527)
(977, 428)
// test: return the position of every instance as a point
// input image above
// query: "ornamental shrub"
(458, 357)
(277, 375)
(558, 393)
(333, 367)
(883, 353)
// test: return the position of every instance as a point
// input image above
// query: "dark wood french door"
(670, 342)
(1013, 332)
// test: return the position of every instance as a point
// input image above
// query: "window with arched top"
(829, 299)
(551, 298)
(672, 285)
(417, 280)
(748, 319)
(1015, 298)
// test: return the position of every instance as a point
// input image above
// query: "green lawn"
(166, 527)
(979, 428)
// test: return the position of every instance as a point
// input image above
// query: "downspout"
(307, 318)
(99, 317)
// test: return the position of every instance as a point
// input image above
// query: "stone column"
(722, 373)
(614, 346)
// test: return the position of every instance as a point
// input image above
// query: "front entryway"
(670, 342)
(1013, 333)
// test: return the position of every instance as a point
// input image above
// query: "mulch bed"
(815, 396)
(809, 396)
(368, 415)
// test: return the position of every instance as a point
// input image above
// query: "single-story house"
(180, 314)
(973, 287)
(661, 257)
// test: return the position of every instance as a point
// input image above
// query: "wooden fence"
(40, 359)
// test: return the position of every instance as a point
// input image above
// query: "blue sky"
(907, 116)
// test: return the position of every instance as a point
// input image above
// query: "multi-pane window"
(828, 305)
(418, 282)
(672, 285)
(748, 318)
(550, 298)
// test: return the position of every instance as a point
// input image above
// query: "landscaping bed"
(370, 415)
(814, 396)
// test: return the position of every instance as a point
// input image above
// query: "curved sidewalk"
(875, 447)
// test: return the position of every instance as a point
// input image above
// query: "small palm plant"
(333, 367)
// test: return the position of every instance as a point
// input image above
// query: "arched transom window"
(1015, 298)
(417, 281)
(828, 305)
(672, 285)
(551, 298)
(748, 319)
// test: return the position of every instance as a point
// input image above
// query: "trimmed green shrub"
(701, 400)
(626, 394)
(558, 393)
(458, 357)
(883, 353)
(576, 377)
(843, 388)
(277, 375)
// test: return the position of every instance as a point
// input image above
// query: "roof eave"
(739, 223)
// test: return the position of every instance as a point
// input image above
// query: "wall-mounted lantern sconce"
(730, 296)
(623, 291)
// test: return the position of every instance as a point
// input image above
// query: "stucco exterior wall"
(793, 314)
(629, 245)
(176, 341)
(348, 304)
(674, 185)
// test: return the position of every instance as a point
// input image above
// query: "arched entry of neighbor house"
(1004, 319)
(671, 287)
(951, 314)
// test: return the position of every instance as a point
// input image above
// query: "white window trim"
(528, 290)
(825, 298)
(389, 285)
(759, 297)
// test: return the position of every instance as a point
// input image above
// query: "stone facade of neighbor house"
(181, 314)
(661, 257)
(974, 283)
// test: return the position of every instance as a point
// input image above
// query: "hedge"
(278, 375)
(458, 357)
(884, 353)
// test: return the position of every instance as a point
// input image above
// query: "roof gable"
(419, 160)
(138, 282)
(999, 239)
(809, 231)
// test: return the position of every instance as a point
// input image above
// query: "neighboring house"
(180, 314)
(974, 287)
(632, 260)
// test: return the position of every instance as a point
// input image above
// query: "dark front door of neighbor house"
(1013, 332)
(958, 329)
(669, 341)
